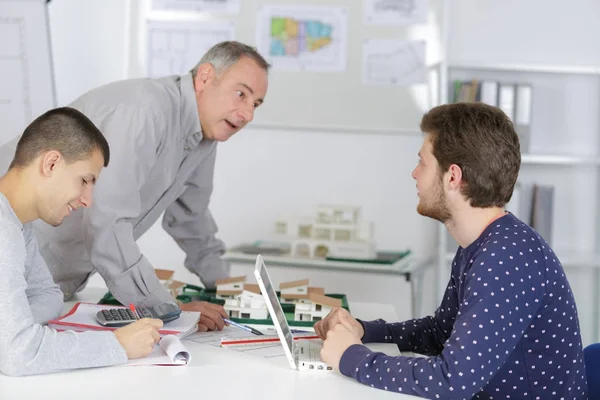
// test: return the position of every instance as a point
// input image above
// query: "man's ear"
(204, 75)
(50, 159)
(454, 177)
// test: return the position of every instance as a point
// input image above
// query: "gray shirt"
(29, 299)
(159, 163)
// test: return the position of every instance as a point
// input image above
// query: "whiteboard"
(26, 76)
(333, 97)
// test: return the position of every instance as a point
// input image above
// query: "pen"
(244, 327)
(134, 311)
(293, 330)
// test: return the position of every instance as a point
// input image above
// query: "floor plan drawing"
(15, 100)
(175, 47)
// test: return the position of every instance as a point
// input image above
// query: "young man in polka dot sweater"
(507, 326)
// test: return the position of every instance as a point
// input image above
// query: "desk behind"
(213, 373)
(360, 282)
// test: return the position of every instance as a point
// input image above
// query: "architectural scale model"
(242, 300)
(335, 231)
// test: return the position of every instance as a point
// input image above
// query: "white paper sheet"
(264, 350)
(175, 47)
(394, 62)
(395, 12)
(303, 38)
(212, 6)
(213, 338)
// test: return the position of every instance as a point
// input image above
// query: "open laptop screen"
(270, 291)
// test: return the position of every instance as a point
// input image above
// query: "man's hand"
(339, 338)
(138, 339)
(339, 316)
(211, 317)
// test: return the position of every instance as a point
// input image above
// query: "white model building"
(336, 231)
(297, 291)
(317, 307)
(230, 287)
(248, 304)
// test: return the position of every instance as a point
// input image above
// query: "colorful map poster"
(303, 38)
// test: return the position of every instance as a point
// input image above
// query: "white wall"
(525, 32)
(259, 173)
(89, 44)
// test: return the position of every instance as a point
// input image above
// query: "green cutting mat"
(196, 293)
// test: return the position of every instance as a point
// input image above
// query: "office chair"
(591, 356)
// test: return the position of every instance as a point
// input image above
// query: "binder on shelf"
(521, 202)
(523, 111)
(474, 93)
(467, 91)
(506, 99)
(526, 203)
(456, 90)
(514, 99)
(489, 93)
(542, 212)
(514, 205)
(464, 93)
(522, 119)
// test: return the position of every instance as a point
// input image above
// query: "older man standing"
(163, 135)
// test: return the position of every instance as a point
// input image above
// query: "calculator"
(117, 317)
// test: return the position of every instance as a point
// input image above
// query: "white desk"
(214, 373)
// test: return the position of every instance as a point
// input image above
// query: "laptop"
(303, 355)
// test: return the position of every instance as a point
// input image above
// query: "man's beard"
(437, 208)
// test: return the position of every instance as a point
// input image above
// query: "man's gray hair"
(223, 55)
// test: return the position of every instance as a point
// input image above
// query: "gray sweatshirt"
(29, 298)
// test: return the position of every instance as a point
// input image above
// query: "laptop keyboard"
(310, 350)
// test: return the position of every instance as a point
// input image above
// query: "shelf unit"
(565, 152)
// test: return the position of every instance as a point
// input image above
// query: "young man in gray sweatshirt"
(57, 162)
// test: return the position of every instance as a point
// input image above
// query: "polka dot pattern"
(507, 328)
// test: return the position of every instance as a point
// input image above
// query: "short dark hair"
(223, 55)
(65, 130)
(482, 141)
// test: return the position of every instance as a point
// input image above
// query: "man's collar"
(190, 120)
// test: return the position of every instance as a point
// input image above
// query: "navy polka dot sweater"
(507, 328)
